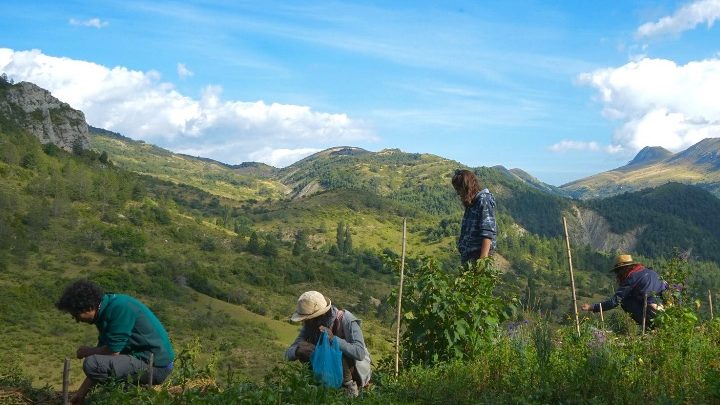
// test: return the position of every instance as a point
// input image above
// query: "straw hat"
(622, 261)
(311, 304)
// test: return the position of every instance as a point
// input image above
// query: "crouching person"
(128, 333)
(637, 285)
(318, 314)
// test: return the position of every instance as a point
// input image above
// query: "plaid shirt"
(478, 223)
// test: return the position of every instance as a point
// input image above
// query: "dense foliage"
(451, 315)
(672, 216)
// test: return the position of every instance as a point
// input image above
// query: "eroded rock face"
(46, 117)
(589, 228)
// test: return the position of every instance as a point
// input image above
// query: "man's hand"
(77, 398)
(304, 350)
(329, 332)
(586, 307)
(85, 351)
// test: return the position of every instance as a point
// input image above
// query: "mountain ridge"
(652, 167)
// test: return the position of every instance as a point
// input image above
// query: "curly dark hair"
(80, 296)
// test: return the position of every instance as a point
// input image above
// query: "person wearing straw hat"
(317, 314)
(635, 282)
(478, 230)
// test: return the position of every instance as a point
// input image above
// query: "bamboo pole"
(66, 382)
(399, 303)
(711, 304)
(644, 314)
(151, 369)
(572, 277)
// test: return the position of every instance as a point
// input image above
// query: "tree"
(347, 242)
(339, 237)
(253, 245)
(270, 249)
(29, 161)
(300, 245)
(126, 241)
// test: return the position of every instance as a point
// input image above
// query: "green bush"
(450, 315)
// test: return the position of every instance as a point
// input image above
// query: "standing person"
(635, 281)
(317, 314)
(128, 333)
(478, 230)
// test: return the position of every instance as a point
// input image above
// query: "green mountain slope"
(652, 167)
(243, 182)
(673, 216)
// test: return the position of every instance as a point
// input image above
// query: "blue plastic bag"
(326, 362)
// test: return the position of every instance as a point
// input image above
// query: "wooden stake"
(399, 303)
(602, 318)
(151, 369)
(644, 314)
(66, 382)
(572, 277)
(711, 305)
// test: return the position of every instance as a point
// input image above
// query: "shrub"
(451, 315)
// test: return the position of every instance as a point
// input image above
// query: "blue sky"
(561, 90)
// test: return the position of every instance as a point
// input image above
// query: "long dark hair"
(466, 186)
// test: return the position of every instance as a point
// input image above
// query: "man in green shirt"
(128, 333)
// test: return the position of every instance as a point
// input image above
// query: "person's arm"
(79, 396)
(86, 351)
(488, 228)
(620, 294)
(354, 343)
(120, 322)
(485, 247)
(290, 353)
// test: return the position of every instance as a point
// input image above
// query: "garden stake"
(602, 318)
(644, 313)
(151, 369)
(572, 277)
(711, 305)
(399, 304)
(66, 382)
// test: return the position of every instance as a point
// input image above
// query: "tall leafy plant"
(451, 315)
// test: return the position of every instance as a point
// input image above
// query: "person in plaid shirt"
(478, 230)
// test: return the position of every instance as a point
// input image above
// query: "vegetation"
(221, 253)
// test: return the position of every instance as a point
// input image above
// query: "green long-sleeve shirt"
(127, 326)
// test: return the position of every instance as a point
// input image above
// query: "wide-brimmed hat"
(622, 261)
(311, 304)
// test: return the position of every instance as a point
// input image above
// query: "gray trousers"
(100, 368)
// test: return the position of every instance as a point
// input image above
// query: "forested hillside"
(222, 252)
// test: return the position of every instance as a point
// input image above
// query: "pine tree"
(300, 245)
(347, 242)
(340, 237)
(253, 245)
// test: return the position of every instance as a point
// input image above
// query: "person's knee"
(93, 368)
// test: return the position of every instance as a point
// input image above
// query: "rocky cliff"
(36, 110)
(587, 227)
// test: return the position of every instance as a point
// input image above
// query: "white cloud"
(685, 18)
(183, 72)
(569, 145)
(566, 145)
(281, 157)
(139, 105)
(659, 102)
(93, 22)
